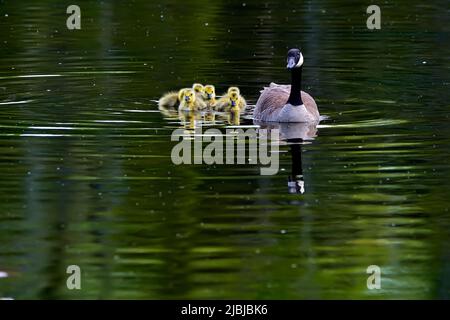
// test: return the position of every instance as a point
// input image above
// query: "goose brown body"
(274, 98)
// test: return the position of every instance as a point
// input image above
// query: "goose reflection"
(293, 135)
(296, 182)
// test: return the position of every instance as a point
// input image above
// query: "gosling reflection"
(189, 119)
(294, 135)
(210, 116)
(192, 119)
(233, 118)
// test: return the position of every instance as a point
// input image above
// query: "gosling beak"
(291, 63)
(209, 95)
(233, 103)
(186, 98)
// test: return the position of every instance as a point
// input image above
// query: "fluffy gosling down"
(190, 102)
(231, 101)
(171, 100)
(199, 89)
(209, 96)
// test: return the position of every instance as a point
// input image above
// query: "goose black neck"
(295, 98)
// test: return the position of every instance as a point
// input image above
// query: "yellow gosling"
(209, 96)
(199, 89)
(242, 103)
(190, 102)
(231, 101)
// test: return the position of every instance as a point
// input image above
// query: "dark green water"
(87, 178)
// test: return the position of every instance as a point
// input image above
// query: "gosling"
(190, 102)
(231, 101)
(209, 96)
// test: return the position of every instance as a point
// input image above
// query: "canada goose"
(190, 101)
(209, 96)
(232, 100)
(287, 103)
(171, 100)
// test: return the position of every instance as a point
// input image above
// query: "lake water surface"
(87, 178)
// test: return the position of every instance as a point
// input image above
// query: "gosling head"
(189, 96)
(234, 99)
(210, 92)
(198, 88)
(234, 89)
(294, 59)
(181, 94)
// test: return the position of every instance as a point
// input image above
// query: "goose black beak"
(291, 63)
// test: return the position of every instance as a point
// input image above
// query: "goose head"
(294, 59)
